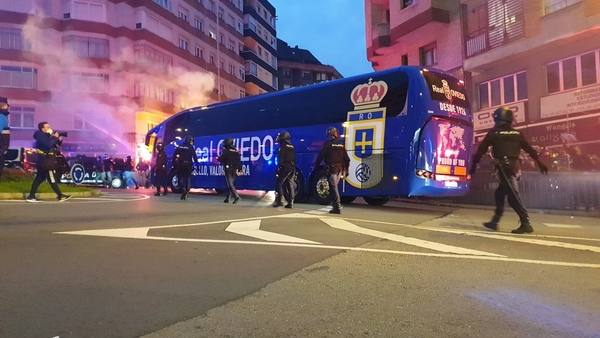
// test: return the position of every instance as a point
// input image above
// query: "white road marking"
(341, 224)
(565, 226)
(252, 229)
(141, 233)
(326, 209)
(316, 212)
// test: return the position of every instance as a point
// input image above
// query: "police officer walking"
(286, 171)
(46, 143)
(336, 158)
(4, 132)
(160, 169)
(230, 159)
(184, 161)
(506, 143)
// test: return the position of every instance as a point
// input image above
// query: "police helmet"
(284, 136)
(228, 143)
(333, 132)
(503, 116)
(188, 139)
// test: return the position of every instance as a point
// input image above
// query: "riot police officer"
(46, 144)
(184, 161)
(160, 170)
(336, 158)
(286, 171)
(230, 159)
(506, 143)
(4, 131)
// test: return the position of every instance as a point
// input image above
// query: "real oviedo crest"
(365, 132)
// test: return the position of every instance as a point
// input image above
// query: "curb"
(46, 195)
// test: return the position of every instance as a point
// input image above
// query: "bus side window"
(176, 129)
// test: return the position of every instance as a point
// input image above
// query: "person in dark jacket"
(46, 144)
(160, 169)
(4, 132)
(184, 161)
(506, 143)
(286, 171)
(107, 169)
(336, 158)
(230, 159)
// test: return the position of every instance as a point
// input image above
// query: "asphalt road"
(128, 265)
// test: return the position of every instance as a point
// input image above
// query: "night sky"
(333, 30)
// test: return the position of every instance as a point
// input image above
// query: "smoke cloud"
(108, 108)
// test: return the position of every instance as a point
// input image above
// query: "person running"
(230, 159)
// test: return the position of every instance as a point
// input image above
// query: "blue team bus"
(408, 132)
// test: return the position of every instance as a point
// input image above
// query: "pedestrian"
(143, 169)
(47, 144)
(160, 169)
(231, 161)
(107, 169)
(506, 143)
(184, 161)
(337, 162)
(286, 171)
(129, 174)
(4, 132)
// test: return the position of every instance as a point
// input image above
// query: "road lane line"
(133, 234)
(341, 224)
(252, 229)
(565, 226)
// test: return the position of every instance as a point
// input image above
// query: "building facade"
(538, 57)
(299, 67)
(414, 32)
(107, 71)
(260, 47)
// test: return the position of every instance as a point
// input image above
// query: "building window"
(166, 4)
(242, 94)
(287, 72)
(21, 117)
(508, 89)
(198, 52)
(405, 60)
(551, 6)
(89, 82)
(406, 3)
(18, 77)
(86, 47)
(13, 39)
(307, 75)
(198, 24)
(428, 55)
(183, 14)
(231, 69)
(573, 72)
(88, 10)
(211, 59)
(183, 43)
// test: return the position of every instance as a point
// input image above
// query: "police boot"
(493, 223)
(336, 209)
(290, 205)
(277, 202)
(524, 228)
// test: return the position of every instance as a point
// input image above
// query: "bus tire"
(347, 199)
(174, 184)
(377, 201)
(319, 189)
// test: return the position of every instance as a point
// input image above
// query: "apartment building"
(260, 47)
(107, 71)
(299, 67)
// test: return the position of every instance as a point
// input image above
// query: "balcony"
(502, 25)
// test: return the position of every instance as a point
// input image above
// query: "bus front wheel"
(320, 190)
(174, 183)
(376, 200)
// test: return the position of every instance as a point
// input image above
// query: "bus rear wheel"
(320, 190)
(376, 200)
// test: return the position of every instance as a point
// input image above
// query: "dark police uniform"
(286, 171)
(4, 132)
(47, 151)
(160, 170)
(184, 161)
(506, 143)
(336, 158)
(231, 161)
